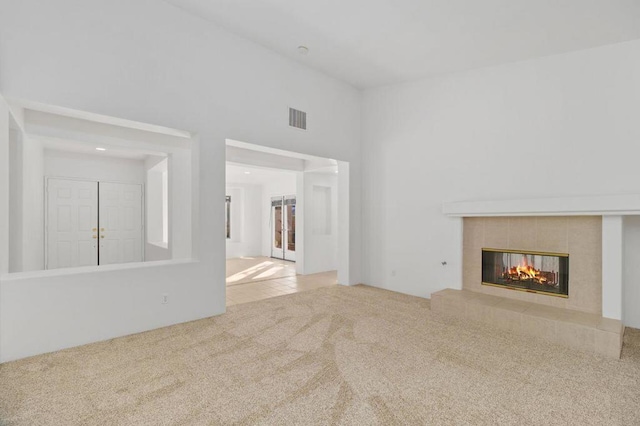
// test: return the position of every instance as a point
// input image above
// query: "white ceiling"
(90, 149)
(237, 173)
(370, 43)
(257, 175)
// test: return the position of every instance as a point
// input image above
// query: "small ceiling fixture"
(101, 149)
(303, 50)
(247, 173)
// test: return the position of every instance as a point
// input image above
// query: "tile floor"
(252, 291)
(242, 270)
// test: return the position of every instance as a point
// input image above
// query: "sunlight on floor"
(256, 278)
(253, 291)
(248, 272)
(243, 270)
(270, 272)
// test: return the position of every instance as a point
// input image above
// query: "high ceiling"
(369, 43)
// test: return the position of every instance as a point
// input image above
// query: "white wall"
(169, 74)
(26, 223)
(15, 200)
(181, 171)
(156, 178)
(154, 252)
(154, 196)
(631, 272)
(320, 212)
(33, 205)
(246, 220)
(4, 193)
(60, 164)
(344, 228)
(557, 126)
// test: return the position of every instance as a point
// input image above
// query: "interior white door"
(121, 232)
(289, 230)
(72, 223)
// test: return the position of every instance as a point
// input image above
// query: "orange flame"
(526, 272)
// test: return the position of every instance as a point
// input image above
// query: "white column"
(4, 186)
(343, 223)
(631, 285)
(453, 271)
(301, 211)
(612, 266)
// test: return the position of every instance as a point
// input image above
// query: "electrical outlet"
(165, 298)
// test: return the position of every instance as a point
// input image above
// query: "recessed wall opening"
(283, 215)
(92, 191)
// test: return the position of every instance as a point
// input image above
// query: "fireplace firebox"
(535, 272)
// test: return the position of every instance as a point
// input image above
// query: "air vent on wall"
(297, 119)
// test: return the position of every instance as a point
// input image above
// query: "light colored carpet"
(243, 270)
(338, 355)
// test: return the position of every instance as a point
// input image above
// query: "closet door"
(71, 223)
(121, 232)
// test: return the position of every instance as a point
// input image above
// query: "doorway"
(286, 216)
(90, 223)
(283, 227)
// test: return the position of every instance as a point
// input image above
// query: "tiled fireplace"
(573, 297)
(540, 276)
(555, 261)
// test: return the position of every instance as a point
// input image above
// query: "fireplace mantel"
(602, 205)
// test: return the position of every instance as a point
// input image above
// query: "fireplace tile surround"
(579, 236)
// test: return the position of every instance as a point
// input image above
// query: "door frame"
(272, 225)
(143, 238)
(285, 229)
(285, 236)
